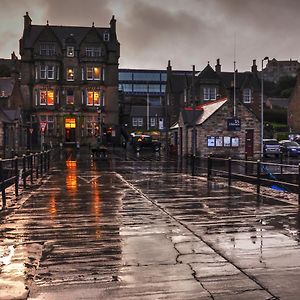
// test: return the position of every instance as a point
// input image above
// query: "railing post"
(49, 156)
(24, 170)
(299, 183)
(16, 166)
(36, 161)
(246, 163)
(2, 185)
(31, 167)
(229, 171)
(258, 166)
(209, 163)
(41, 161)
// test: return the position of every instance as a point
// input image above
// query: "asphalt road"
(140, 227)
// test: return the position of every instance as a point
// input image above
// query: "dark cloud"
(185, 31)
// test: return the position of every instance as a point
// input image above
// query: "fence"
(22, 170)
(284, 177)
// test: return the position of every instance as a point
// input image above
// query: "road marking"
(88, 179)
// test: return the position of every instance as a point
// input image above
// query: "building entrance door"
(249, 142)
(70, 127)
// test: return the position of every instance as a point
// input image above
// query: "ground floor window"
(137, 122)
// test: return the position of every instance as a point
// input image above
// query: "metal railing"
(19, 171)
(284, 177)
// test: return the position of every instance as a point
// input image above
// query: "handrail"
(14, 171)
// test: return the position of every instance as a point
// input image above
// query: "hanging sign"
(43, 126)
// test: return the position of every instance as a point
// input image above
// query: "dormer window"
(47, 49)
(247, 95)
(209, 93)
(106, 36)
(93, 51)
(70, 51)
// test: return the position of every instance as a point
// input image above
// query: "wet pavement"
(140, 227)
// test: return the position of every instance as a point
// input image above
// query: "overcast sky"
(187, 32)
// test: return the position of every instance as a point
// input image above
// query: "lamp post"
(262, 107)
(99, 111)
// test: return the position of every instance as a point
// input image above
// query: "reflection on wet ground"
(139, 226)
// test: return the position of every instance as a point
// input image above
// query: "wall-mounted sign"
(211, 141)
(233, 124)
(235, 142)
(219, 141)
(227, 141)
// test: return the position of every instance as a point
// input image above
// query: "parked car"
(142, 141)
(271, 147)
(290, 148)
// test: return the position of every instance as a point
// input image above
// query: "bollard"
(24, 170)
(2, 185)
(16, 166)
(229, 171)
(258, 166)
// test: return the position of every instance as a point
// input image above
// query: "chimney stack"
(27, 21)
(218, 66)
(254, 66)
(113, 24)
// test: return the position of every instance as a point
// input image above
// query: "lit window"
(70, 51)
(46, 97)
(70, 74)
(247, 95)
(70, 123)
(209, 94)
(93, 98)
(93, 73)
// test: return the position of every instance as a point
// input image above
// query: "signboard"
(233, 124)
(31, 130)
(43, 126)
(211, 141)
(161, 124)
(219, 141)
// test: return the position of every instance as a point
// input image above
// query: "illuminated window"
(70, 123)
(93, 73)
(70, 74)
(70, 51)
(46, 97)
(93, 98)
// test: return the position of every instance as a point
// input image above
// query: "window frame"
(247, 95)
(70, 78)
(208, 92)
(93, 98)
(70, 51)
(45, 93)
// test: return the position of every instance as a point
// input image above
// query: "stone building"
(293, 110)
(217, 132)
(69, 82)
(210, 84)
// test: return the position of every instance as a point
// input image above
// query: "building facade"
(69, 82)
(142, 93)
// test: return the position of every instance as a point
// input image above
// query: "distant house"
(217, 131)
(276, 69)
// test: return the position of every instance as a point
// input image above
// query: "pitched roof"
(208, 109)
(208, 73)
(75, 33)
(6, 86)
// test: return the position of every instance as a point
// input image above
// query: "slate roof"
(75, 33)
(6, 86)
(9, 115)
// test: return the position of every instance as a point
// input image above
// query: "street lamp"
(262, 107)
